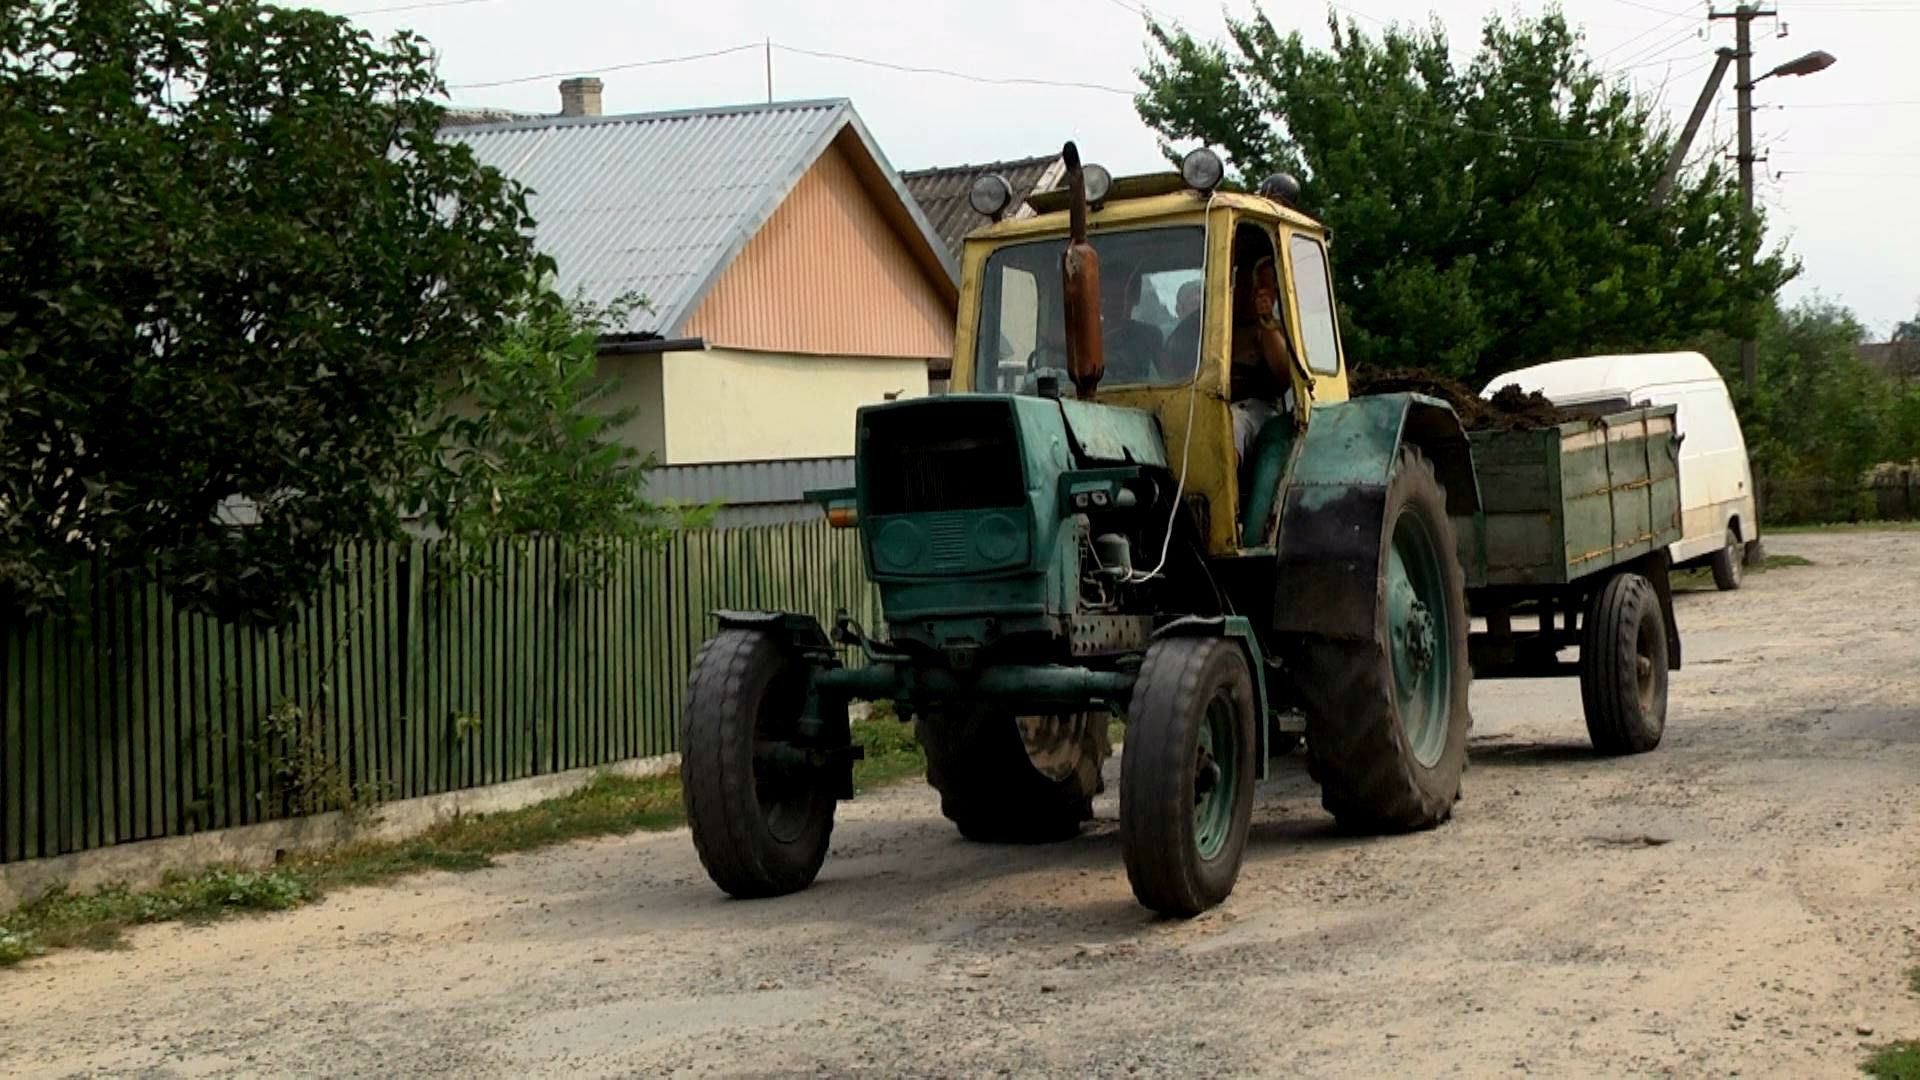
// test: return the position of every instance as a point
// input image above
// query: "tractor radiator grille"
(947, 541)
(939, 455)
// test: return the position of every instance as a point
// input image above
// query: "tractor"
(1076, 533)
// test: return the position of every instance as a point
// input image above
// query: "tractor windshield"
(1151, 283)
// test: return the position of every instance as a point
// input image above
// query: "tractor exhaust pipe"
(1080, 278)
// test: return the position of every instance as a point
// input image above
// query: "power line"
(1655, 28)
(627, 66)
(912, 69)
(1663, 57)
(987, 79)
(1849, 104)
(1650, 7)
(1665, 46)
(414, 7)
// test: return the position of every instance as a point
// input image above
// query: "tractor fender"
(798, 634)
(1327, 556)
(1240, 630)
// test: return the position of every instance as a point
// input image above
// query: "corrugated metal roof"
(746, 483)
(942, 193)
(659, 203)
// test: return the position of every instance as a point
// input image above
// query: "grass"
(1844, 526)
(607, 805)
(1701, 580)
(1895, 1061)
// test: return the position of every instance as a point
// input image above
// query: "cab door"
(1316, 326)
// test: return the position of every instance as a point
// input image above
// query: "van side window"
(1311, 283)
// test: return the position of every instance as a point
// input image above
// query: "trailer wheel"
(1623, 667)
(1387, 718)
(760, 829)
(1008, 780)
(1186, 779)
(1729, 563)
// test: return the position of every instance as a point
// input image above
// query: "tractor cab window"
(1315, 290)
(1151, 280)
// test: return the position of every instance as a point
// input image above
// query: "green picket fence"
(133, 719)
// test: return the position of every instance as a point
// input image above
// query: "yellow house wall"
(741, 405)
(637, 385)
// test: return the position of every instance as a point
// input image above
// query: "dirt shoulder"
(1745, 898)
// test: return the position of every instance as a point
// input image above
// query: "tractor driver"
(1263, 361)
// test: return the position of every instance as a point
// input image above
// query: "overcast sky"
(1843, 145)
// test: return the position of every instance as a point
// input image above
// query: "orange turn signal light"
(843, 515)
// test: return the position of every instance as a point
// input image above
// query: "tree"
(1821, 416)
(236, 267)
(1485, 217)
(528, 446)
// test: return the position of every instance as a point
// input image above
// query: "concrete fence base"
(144, 864)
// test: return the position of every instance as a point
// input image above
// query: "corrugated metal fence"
(135, 720)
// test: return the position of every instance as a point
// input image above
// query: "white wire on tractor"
(1193, 394)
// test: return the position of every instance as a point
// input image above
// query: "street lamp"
(1817, 60)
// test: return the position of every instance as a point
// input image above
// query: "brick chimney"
(580, 97)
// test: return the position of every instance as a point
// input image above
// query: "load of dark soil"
(1508, 410)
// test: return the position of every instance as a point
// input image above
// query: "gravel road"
(1744, 900)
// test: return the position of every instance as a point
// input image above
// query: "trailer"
(1569, 551)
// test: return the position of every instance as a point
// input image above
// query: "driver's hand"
(1266, 301)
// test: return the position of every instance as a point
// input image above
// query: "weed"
(1845, 526)
(97, 920)
(15, 946)
(309, 775)
(607, 805)
(1895, 1061)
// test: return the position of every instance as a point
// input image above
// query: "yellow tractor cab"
(1177, 264)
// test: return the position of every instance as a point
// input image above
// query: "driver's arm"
(1274, 348)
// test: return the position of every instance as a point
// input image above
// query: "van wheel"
(1728, 563)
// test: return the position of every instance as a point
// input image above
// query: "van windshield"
(1151, 282)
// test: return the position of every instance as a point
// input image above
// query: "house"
(788, 276)
(943, 193)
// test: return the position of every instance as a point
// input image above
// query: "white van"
(1719, 525)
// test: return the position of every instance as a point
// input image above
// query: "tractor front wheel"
(1186, 779)
(760, 824)
(1387, 718)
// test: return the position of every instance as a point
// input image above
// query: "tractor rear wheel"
(1014, 780)
(1186, 779)
(1387, 718)
(760, 827)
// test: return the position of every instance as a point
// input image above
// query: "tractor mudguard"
(1240, 630)
(798, 634)
(1327, 572)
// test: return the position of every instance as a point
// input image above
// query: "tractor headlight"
(1099, 182)
(1202, 170)
(990, 195)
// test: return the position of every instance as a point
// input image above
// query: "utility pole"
(1743, 84)
(1743, 17)
(1664, 186)
(769, 48)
